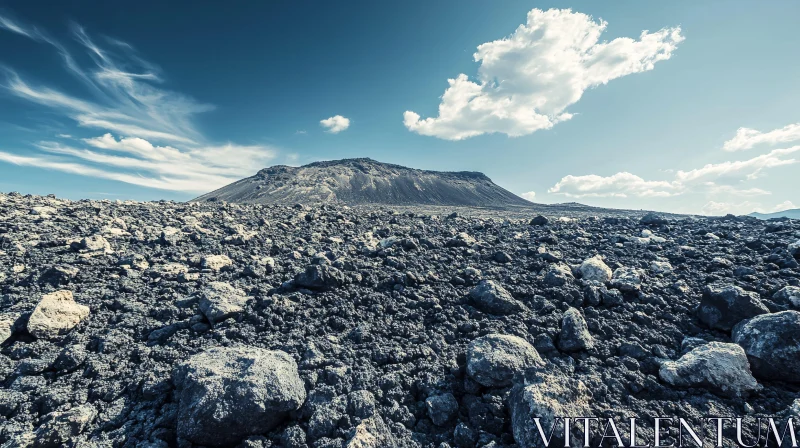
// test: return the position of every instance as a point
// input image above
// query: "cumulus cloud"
(713, 178)
(747, 138)
(530, 195)
(618, 185)
(526, 81)
(335, 124)
(148, 133)
(743, 208)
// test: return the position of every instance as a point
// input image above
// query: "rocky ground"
(180, 325)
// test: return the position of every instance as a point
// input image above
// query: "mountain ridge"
(365, 181)
(792, 213)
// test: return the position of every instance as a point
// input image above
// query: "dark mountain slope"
(365, 181)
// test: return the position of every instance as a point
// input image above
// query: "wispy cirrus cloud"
(526, 81)
(149, 137)
(747, 138)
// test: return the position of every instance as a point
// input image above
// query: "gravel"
(163, 324)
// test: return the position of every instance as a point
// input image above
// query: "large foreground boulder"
(492, 298)
(56, 314)
(723, 307)
(719, 366)
(546, 396)
(228, 393)
(492, 360)
(772, 344)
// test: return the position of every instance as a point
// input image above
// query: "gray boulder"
(574, 332)
(493, 298)
(216, 263)
(539, 220)
(220, 300)
(371, 433)
(58, 428)
(558, 274)
(794, 249)
(56, 314)
(320, 277)
(463, 239)
(626, 279)
(653, 219)
(788, 295)
(7, 323)
(492, 360)
(719, 366)
(723, 307)
(546, 396)
(772, 344)
(595, 269)
(228, 393)
(442, 409)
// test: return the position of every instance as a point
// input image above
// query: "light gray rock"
(492, 360)
(93, 244)
(722, 307)
(626, 279)
(546, 396)
(574, 332)
(772, 344)
(58, 428)
(661, 267)
(371, 433)
(228, 393)
(7, 322)
(56, 314)
(461, 240)
(492, 298)
(220, 300)
(595, 269)
(788, 295)
(216, 262)
(719, 366)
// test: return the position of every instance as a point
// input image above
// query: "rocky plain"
(163, 324)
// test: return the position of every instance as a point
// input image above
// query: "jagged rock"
(722, 307)
(59, 275)
(216, 262)
(220, 300)
(794, 249)
(56, 314)
(594, 269)
(539, 221)
(626, 279)
(92, 244)
(661, 267)
(58, 428)
(546, 396)
(558, 274)
(320, 277)
(371, 433)
(492, 360)
(135, 261)
(461, 240)
(788, 295)
(772, 344)
(442, 408)
(493, 298)
(228, 393)
(574, 332)
(653, 219)
(721, 367)
(7, 323)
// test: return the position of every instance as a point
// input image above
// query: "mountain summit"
(365, 181)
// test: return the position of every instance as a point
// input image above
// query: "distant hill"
(793, 213)
(365, 181)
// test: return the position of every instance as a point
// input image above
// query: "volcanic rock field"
(163, 324)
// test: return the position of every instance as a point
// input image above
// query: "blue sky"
(149, 100)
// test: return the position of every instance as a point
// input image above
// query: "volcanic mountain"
(365, 181)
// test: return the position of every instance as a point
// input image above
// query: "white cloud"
(335, 124)
(624, 184)
(157, 143)
(743, 169)
(526, 81)
(529, 195)
(747, 138)
(743, 208)
(618, 185)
